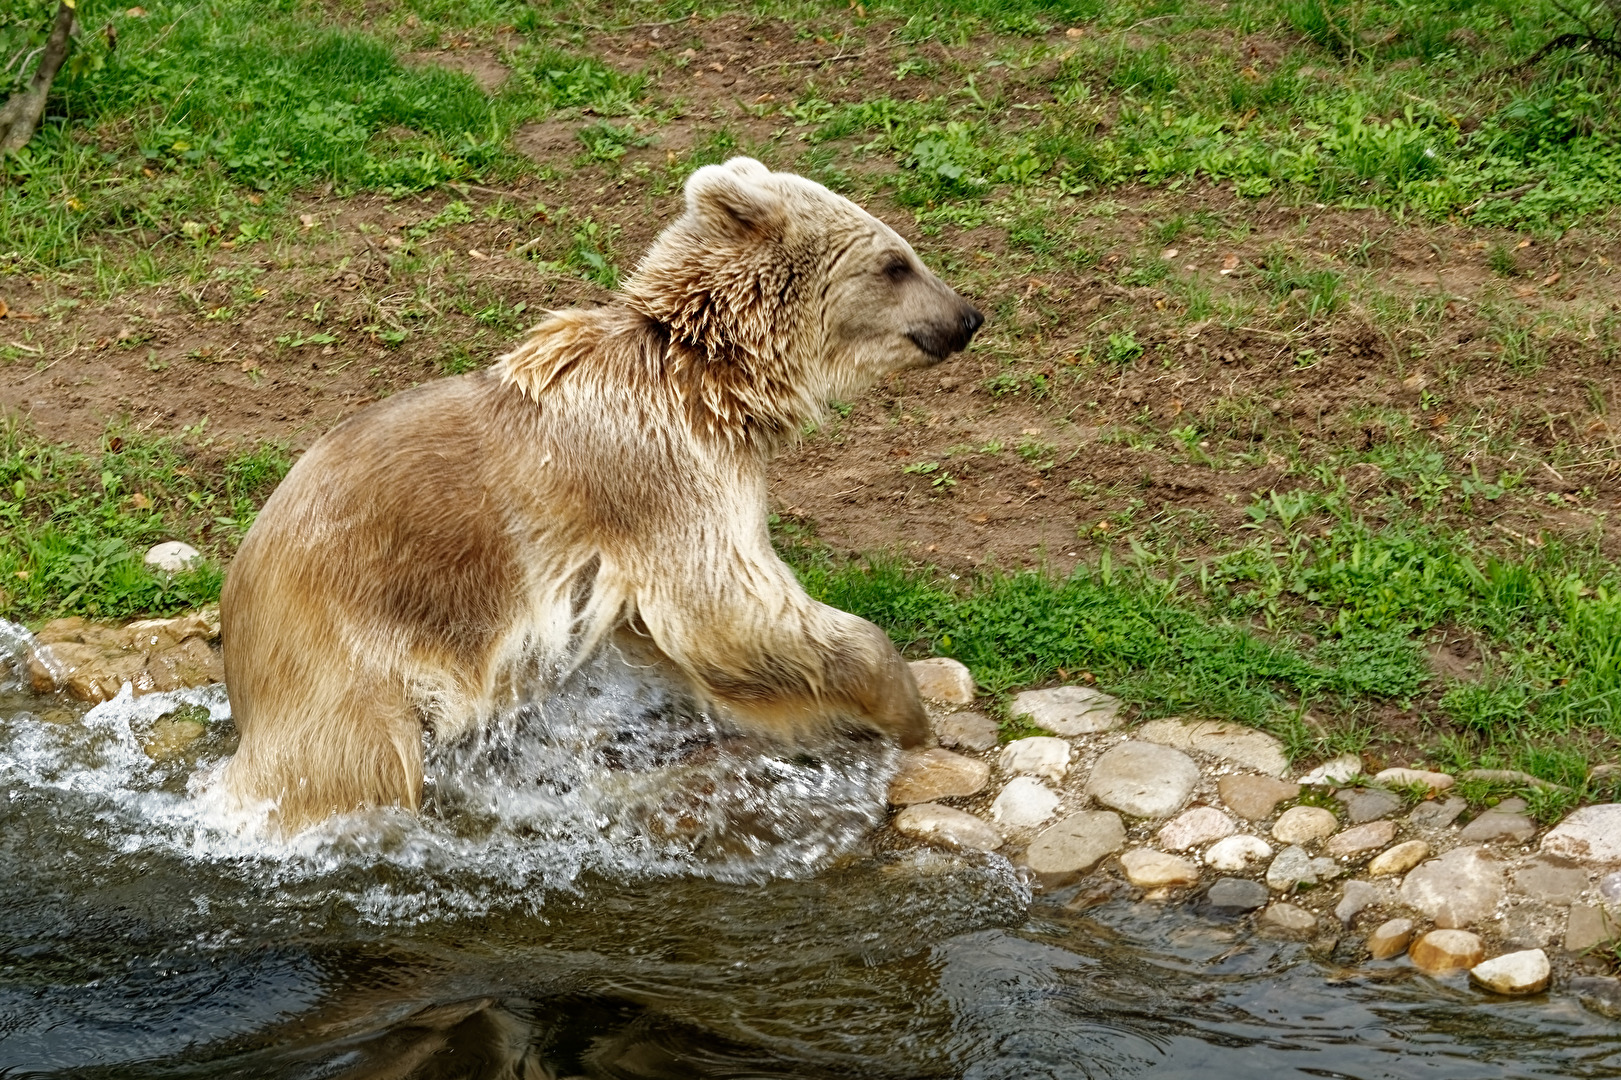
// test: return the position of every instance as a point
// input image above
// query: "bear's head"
(779, 296)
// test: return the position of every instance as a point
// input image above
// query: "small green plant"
(1123, 349)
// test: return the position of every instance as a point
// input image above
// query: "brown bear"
(443, 552)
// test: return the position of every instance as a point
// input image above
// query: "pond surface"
(662, 902)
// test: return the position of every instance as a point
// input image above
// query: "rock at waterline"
(1461, 888)
(1554, 879)
(928, 775)
(1435, 781)
(944, 825)
(1368, 805)
(1360, 839)
(969, 730)
(1039, 755)
(171, 556)
(1069, 710)
(1150, 869)
(1024, 803)
(1340, 770)
(1289, 918)
(1591, 834)
(1493, 825)
(1442, 951)
(1293, 867)
(1599, 993)
(1357, 895)
(944, 680)
(1142, 779)
(1237, 895)
(1525, 972)
(1195, 828)
(1074, 845)
(93, 661)
(1609, 887)
(1231, 742)
(1390, 939)
(1399, 859)
(1237, 853)
(1254, 797)
(1300, 824)
(170, 735)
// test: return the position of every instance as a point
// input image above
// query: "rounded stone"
(1609, 888)
(1237, 853)
(1493, 825)
(1024, 803)
(1195, 828)
(1437, 813)
(1073, 845)
(1524, 972)
(928, 775)
(1357, 895)
(1293, 867)
(1441, 951)
(1254, 797)
(1461, 888)
(969, 730)
(1360, 839)
(1039, 755)
(1399, 859)
(1289, 918)
(171, 556)
(1150, 869)
(1231, 742)
(940, 678)
(1592, 834)
(1299, 824)
(1390, 939)
(1237, 894)
(946, 825)
(1340, 770)
(1368, 805)
(1435, 781)
(1142, 779)
(1069, 710)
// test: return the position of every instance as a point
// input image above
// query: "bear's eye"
(897, 269)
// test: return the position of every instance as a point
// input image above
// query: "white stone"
(1435, 781)
(1039, 755)
(1592, 835)
(944, 825)
(171, 556)
(969, 730)
(1461, 888)
(942, 679)
(1524, 972)
(1295, 920)
(928, 775)
(1335, 772)
(1294, 867)
(1024, 803)
(1195, 828)
(1231, 742)
(1150, 869)
(1237, 853)
(1069, 710)
(1299, 824)
(1142, 779)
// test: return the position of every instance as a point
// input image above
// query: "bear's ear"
(734, 201)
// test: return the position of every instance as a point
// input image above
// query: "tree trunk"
(21, 112)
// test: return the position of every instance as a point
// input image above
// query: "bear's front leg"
(774, 659)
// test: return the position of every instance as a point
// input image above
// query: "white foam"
(615, 774)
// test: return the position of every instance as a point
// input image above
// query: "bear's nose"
(972, 320)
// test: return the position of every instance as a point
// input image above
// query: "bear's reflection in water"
(571, 1038)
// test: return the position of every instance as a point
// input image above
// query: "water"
(613, 886)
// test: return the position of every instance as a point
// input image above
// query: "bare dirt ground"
(1420, 345)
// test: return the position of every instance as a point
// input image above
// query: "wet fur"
(449, 549)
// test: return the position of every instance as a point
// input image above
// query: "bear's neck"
(726, 393)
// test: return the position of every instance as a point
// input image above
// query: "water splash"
(616, 774)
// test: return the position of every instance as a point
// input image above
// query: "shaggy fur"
(452, 547)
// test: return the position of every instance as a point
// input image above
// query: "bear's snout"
(951, 334)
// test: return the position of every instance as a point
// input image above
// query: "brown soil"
(232, 345)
